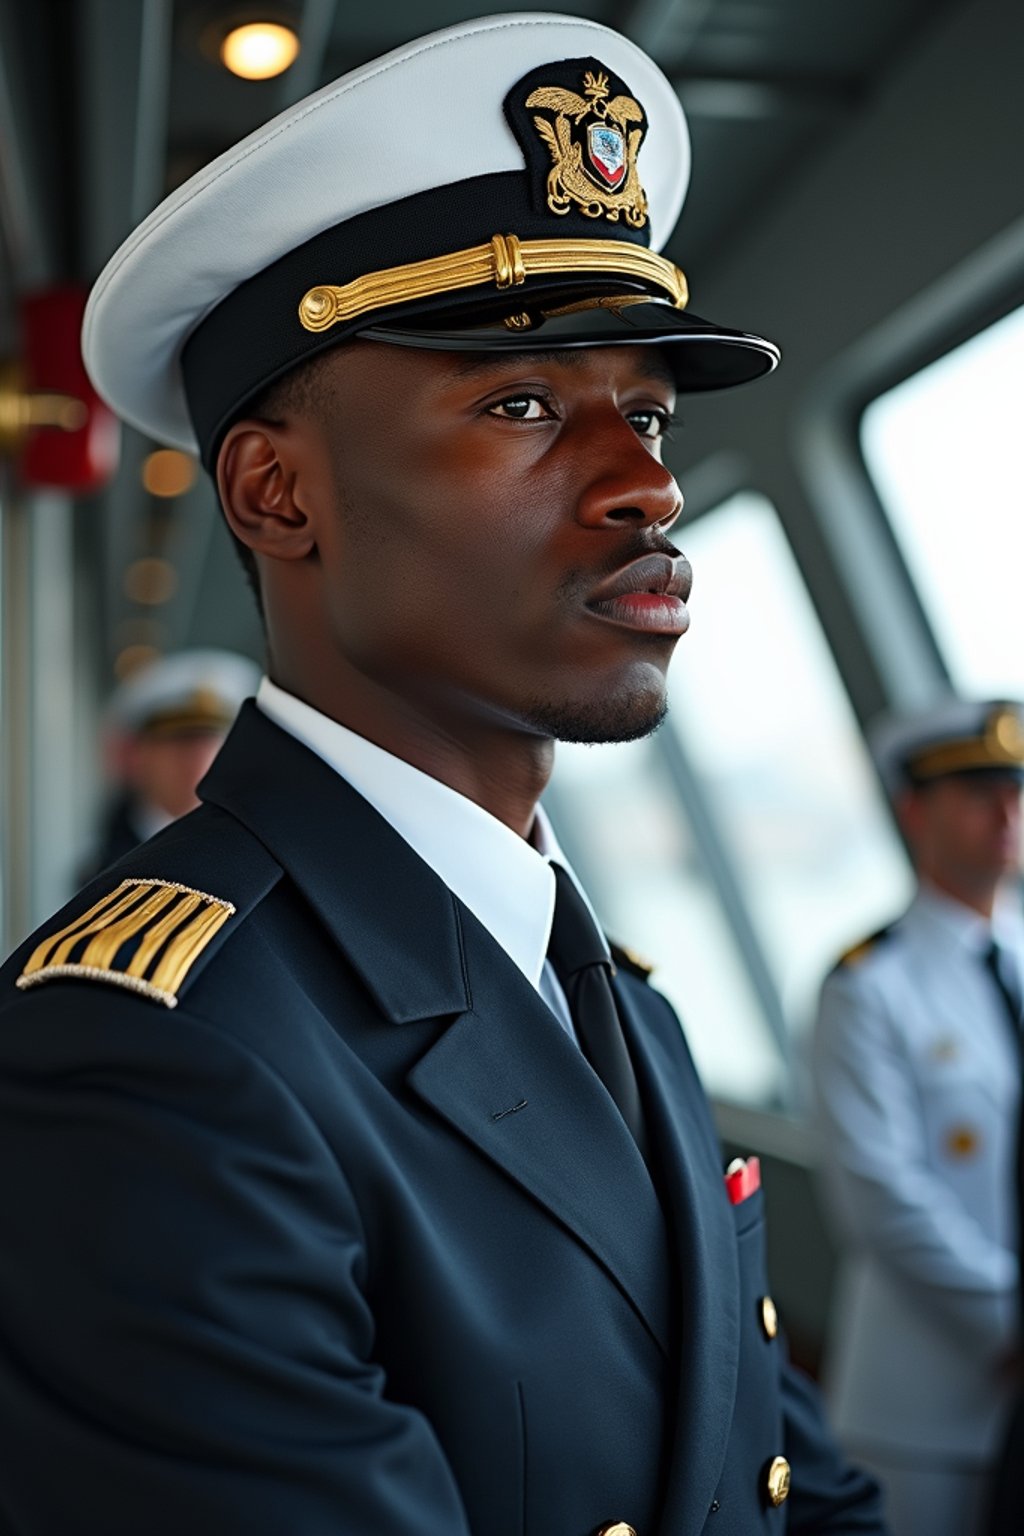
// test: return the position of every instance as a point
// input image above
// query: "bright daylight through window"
(946, 452)
(760, 714)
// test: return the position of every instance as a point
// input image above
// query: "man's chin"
(612, 719)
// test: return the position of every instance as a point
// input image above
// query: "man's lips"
(649, 594)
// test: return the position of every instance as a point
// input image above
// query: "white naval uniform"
(917, 1077)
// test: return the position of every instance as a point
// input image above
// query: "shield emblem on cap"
(607, 150)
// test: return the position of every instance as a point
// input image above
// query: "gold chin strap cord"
(505, 261)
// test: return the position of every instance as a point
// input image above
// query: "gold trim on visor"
(506, 261)
(962, 756)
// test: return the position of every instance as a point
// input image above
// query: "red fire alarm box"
(62, 433)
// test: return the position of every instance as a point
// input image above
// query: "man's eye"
(652, 424)
(520, 408)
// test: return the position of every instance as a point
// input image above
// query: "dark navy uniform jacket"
(351, 1241)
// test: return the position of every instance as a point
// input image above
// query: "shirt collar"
(505, 881)
(966, 926)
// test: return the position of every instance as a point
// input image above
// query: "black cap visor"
(1008, 771)
(701, 355)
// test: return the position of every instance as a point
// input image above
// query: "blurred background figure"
(917, 1070)
(164, 726)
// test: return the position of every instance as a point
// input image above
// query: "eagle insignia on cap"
(145, 936)
(594, 142)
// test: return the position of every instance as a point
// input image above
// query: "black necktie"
(1005, 978)
(581, 963)
(1003, 974)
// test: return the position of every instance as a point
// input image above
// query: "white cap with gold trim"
(188, 692)
(954, 736)
(506, 183)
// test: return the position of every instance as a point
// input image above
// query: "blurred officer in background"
(358, 1193)
(918, 1069)
(1006, 1508)
(164, 726)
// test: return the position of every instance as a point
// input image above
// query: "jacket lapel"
(703, 1228)
(393, 917)
(503, 1074)
(507, 1076)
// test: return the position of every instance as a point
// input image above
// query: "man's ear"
(259, 488)
(909, 808)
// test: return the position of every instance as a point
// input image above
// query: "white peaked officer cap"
(954, 736)
(185, 693)
(504, 184)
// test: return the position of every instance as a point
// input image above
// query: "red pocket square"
(742, 1179)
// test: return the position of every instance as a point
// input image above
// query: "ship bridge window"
(946, 452)
(618, 813)
(745, 844)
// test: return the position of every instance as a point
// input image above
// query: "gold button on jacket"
(769, 1317)
(616, 1528)
(778, 1481)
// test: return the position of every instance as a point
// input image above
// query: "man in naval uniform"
(164, 726)
(918, 1067)
(350, 1187)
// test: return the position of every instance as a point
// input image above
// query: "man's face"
(499, 548)
(164, 770)
(968, 828)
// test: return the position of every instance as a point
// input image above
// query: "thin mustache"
(578, 585)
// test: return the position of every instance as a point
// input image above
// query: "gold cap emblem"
(593, 140)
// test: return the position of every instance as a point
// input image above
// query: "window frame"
(834, 473)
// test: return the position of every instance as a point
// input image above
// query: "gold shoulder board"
(146, 936)
(858, 952)
(627, 959)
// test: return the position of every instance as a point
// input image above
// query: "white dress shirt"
(918, 1080)
(505, 881)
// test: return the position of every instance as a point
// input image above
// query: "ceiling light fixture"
(168, 472)
(132, 658)
(259, 50)
(150, 581)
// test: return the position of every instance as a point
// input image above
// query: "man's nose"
(1008, 805)
(625, 483)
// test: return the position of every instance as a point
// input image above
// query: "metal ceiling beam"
(651, 23)
(28, 221)
(124, 57)
(125, 61)
(753, 100)
(668, 29)
(316, 23)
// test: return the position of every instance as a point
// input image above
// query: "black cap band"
(254, 335)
